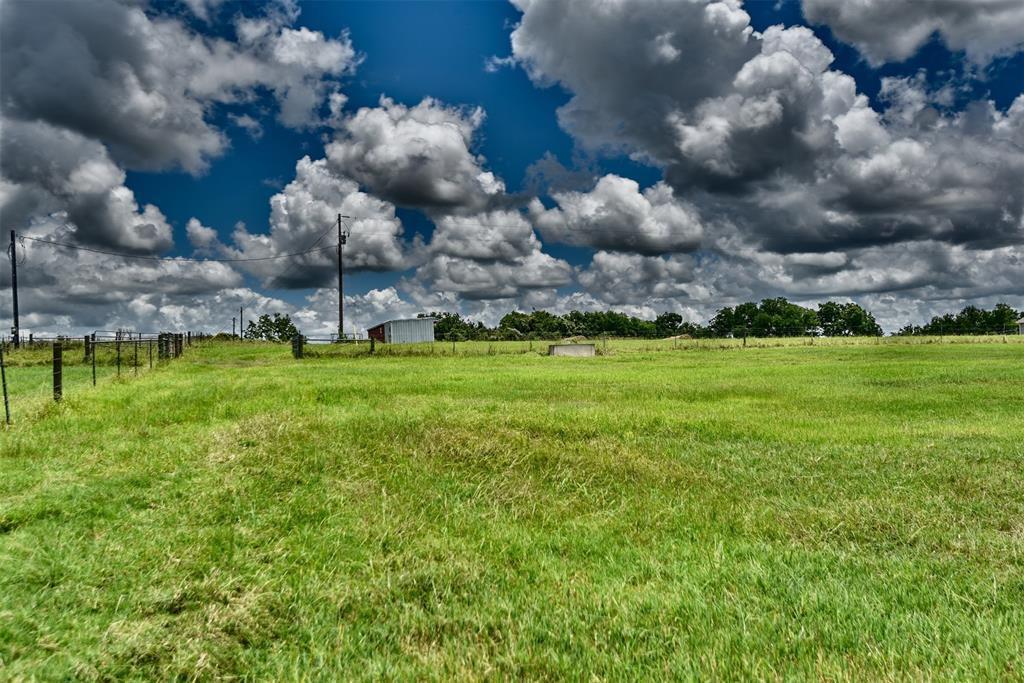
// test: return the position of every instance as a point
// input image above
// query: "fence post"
(149, 343)
(297, 346)
(58, 371)
(93, 344)
(372, 340)
(189, 338)
(88, 346)
(117, 344)
(3, 376)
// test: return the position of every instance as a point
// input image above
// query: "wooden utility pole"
(241, 325)
(342, 238)
(14, 291)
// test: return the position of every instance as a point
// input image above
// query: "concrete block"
(571, 350)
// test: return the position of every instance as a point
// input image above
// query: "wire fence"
(44, 370)
(40, 369)
(612, 345)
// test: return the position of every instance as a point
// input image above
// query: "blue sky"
(414, 50)
(411, 50)
(408, 51)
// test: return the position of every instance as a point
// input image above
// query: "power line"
(312, 247)
(175, 258)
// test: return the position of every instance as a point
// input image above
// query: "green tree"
(278, 328)
(971, 320)
(846, 320)
(514, 325)
(1003, 319)
(453, 327)
(667, 324)
(724, 322)
(772, 318)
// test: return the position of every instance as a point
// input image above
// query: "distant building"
(406, 331)
(1020, 326)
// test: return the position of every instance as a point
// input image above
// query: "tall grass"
(826, 511)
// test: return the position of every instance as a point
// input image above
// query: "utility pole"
(342, 238)
(232, 327)
(14, 290)
(241, 322)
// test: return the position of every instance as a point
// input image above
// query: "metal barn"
(405, 331)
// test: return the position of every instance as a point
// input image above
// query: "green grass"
(827, 511)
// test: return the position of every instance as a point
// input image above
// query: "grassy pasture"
(670, 510)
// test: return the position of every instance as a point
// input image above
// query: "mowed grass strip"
(805, 512)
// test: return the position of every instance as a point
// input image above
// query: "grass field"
(808, 511)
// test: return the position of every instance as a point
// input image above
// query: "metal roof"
(399, 320)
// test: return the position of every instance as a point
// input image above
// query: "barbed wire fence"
(59, 363)
(608, 343)
(63, 362)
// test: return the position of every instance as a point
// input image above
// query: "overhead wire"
(282, 273)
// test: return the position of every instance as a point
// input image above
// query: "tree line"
(776, 317)
(769, 318)
(971, 320)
